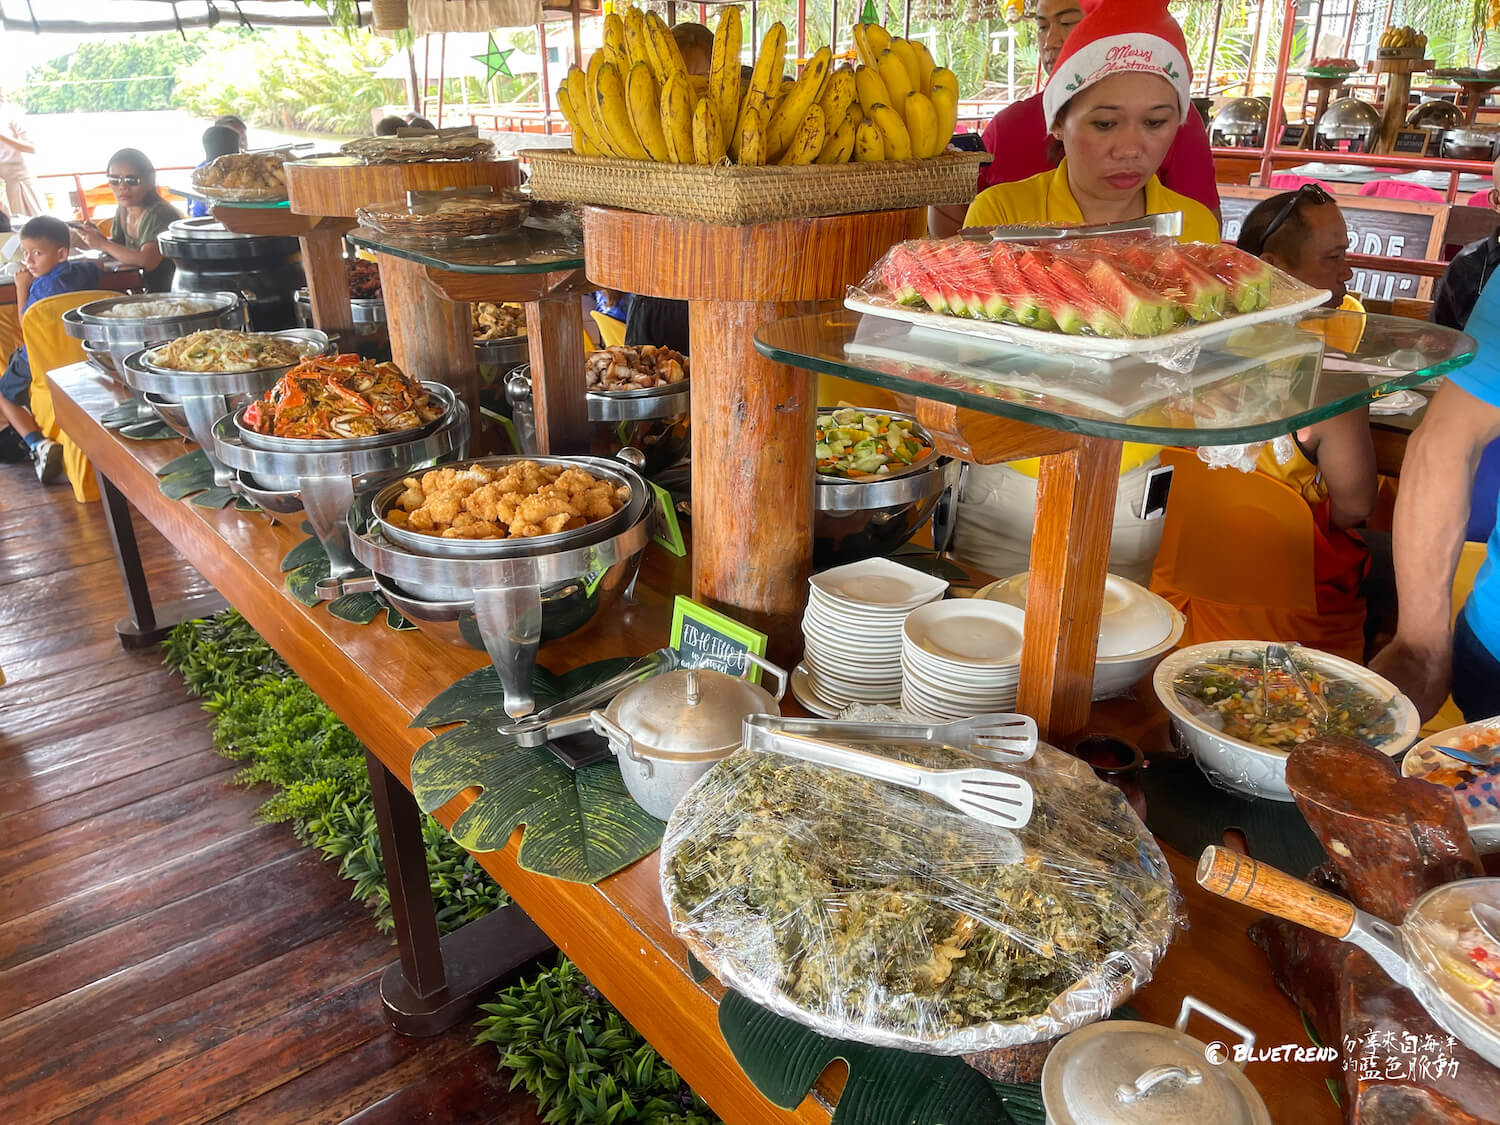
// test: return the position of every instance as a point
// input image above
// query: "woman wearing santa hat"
(1115, 100)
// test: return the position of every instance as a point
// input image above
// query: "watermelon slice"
(1203, 295)
(1034, 266)
(1101, 319)
(1140, 311)
(904, 274)
(1022, 306)
(940, 294)
(976, 283)
(1248, 279)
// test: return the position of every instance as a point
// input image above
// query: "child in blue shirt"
(45, 272)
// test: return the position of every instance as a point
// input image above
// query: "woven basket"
(731, 195)
(389, 15)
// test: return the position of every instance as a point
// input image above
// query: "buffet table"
(616, 931)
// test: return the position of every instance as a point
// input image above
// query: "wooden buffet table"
(376, 681)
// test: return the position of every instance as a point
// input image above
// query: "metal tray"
(438, 547)
(828, 481)
(641, 404)
(298, 446)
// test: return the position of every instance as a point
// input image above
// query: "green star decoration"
(869, 14)
(495, 60)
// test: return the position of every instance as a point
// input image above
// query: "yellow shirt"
(1047, 199)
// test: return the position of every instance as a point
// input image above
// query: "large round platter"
(301, 446)
(1260, 771)
(87, 322)
(435, 545)
(142, 374)
(749, 952)
(1475, 789)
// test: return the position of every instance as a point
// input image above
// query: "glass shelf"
(195, 194)
(528, 250)
(1250, 385)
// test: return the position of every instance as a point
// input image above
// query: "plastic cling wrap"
(1149, 295)
(879, 915)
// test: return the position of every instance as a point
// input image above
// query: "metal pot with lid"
(1126, 1072)
(261, 268)
(668, 731)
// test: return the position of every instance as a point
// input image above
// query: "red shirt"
(1019, 141)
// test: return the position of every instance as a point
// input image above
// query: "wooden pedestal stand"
(322, 239)
(1325, 88)
(1474, 94)
(752, 419)
(1397, 92)
(329, 191)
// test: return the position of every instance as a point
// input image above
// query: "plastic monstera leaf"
(580, 825)
(885, 1086)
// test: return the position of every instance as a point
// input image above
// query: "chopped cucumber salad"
(857, 444)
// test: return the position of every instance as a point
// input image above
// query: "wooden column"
(328, 282)
(559, 388)
(752, 419)
(431, 336)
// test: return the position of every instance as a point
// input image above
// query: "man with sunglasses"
(1303, 233)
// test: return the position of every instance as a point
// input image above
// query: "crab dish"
(342, 397)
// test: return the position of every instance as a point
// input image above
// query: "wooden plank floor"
(164, 956)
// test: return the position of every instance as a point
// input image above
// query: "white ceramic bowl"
(1116, 675)
(1132, 619)
(1243, 766)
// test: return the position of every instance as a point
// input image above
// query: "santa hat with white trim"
(1119, 37)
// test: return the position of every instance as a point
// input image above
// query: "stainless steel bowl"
(654, 420)
(566, 606)
(101, 357)
(1349, 119)
(1471, 143)
(1435, 115)
(311, 341)
(862, 519)
(173, 413)
(126, 335)
(268, 443)
(436, 546)
(275, 502)
(498, 358)
(367, 314)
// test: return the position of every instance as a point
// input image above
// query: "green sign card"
(710, 640)
(666, 530)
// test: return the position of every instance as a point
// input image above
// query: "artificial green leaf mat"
(580, 825)
(885, 1086)
(129, 421)
(306, 564)
(192, 474)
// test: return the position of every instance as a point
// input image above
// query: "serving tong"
(1278, 654)
(995, 737)
(1000, 800)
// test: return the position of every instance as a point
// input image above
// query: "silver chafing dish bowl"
(123, 335)
(859, 519)
(299, 446)
(173, 413)
(1349, 119)
(174, 380)
(1435, 115)
(1242, 117)
(653, 420)
(367, 314)
(507, 593)
(271, 501)
(327, 478)
(566, 607)
(99, 355)
(1470, 143)
(420, 543)
(498, 358)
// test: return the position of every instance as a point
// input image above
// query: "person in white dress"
(23, 195)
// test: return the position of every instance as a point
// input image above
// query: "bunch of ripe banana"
(637, 101)
(1402, 37)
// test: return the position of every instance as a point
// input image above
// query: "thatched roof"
(81, 17)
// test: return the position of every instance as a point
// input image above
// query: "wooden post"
(752, 420)
(431, 337)
(1075, 504)
(327, 282)
(546, 86)
(559, 388)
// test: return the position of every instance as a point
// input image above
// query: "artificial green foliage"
(579, 1058)
(885, 1086)
(190, 473)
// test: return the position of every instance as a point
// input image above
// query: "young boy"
(45, 272)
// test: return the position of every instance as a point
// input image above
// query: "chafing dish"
(1349, 119)
(1470, 143)
(126, 334)
(1435, 115)
(326, 478)
(507, 592)
(653, 420)
(1241, 123)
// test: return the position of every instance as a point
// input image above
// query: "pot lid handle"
(1131, 1092)
(693, 688)
(1191, 1004)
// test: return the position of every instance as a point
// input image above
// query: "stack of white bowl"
(1136, 629)
(961, 658)
(852, 629)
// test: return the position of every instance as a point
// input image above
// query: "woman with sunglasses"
(142, 214)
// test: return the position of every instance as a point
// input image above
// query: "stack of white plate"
(852, 629)
(961, 658)
(1136, 629)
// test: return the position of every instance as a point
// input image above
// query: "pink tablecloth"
(1392, 189)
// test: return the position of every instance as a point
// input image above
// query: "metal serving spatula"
(989, 796)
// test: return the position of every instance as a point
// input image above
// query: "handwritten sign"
(1388, 228)
(708, 639)
(1411, 142)
(1294, 136)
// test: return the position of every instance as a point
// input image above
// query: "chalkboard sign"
(708, 639)
(1294, 136)
(1411, 142)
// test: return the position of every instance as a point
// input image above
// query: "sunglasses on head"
(124, 181)
(1313, 192)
